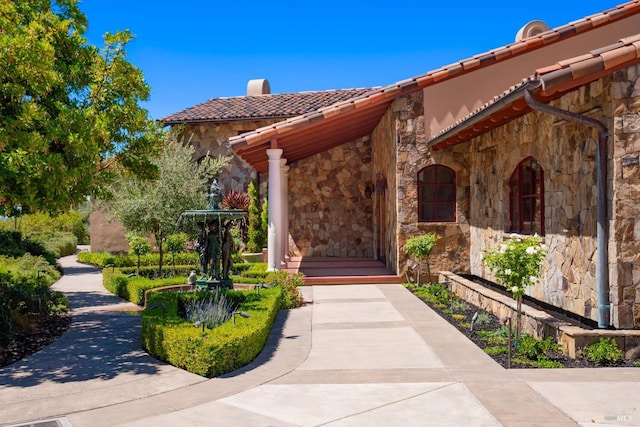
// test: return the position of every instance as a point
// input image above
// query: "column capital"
(274, 153)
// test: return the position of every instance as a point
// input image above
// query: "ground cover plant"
(488, 333)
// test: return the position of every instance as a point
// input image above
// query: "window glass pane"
(445, 176)
(446, 212)
(429, 175)
(446, 193)
(427, 212)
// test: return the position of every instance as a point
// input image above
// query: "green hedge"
(133, 288)
(102, 259)
(58, 243)
(24, 289)
(220, 350)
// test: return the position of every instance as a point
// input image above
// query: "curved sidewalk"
(356, 355)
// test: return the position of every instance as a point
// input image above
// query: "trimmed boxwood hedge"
(133, 288)
(226, 348)
(102, 259)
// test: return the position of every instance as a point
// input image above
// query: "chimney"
(258, 87)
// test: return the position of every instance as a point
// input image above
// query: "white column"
(284, 182)
(275, 210)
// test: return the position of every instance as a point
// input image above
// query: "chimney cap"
(531, 29)
(258, 87)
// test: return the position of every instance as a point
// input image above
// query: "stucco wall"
(452, 250)
(566, 152)
(329, 214)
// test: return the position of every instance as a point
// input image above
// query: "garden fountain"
(214, 242)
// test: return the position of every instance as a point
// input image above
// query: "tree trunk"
(159, 237)
(518, 317)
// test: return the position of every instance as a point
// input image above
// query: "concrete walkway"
(365, 355)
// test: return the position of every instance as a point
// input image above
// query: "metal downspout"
(602, 271)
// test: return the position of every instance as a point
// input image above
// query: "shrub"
(58, 243)
(498, 336)
(604, 351)
(213, 310)
(434, 293)
(460, 305)
(534, 349)
(175, 243)
(134, 288)
(24, 289)
(139, 246)
(516, 264)
(496, 349)
(421, 247)
(102, 259)
(291, 296)
(13, 244)
(217, 351)
(257, 238)
(484, 318)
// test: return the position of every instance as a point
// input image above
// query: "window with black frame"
(436, 194)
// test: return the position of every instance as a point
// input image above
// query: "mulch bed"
(502, 359)
(46, 330)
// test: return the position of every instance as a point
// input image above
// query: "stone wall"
(212, 138)
(385, 217)
(329, 214)
(566, 152)
(624, 251)
(452, 250)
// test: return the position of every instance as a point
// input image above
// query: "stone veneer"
(385, 244)
(624, 250)
(566, 152)
(452, 250)
(329, 214)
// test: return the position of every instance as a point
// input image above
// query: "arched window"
(526, 198)
(436, 194)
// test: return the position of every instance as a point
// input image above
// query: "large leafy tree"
(153, 206)
(69, 112)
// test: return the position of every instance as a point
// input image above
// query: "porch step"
(337, 270)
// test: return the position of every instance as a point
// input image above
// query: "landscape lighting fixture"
(159, 305)
(241, 313)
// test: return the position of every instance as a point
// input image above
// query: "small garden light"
(241, 313)
(261, 285)
(113, 266)
(159, 305)
(200, 323)
(473, 319)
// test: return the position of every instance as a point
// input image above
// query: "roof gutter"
(602, 272)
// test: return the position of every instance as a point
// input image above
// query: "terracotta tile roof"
(269, 106)
(549, 82)
(372, 105)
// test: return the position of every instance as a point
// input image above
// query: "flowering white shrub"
(516, 262)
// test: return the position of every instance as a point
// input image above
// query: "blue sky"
(194, 50)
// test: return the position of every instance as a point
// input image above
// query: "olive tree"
(154, 206)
